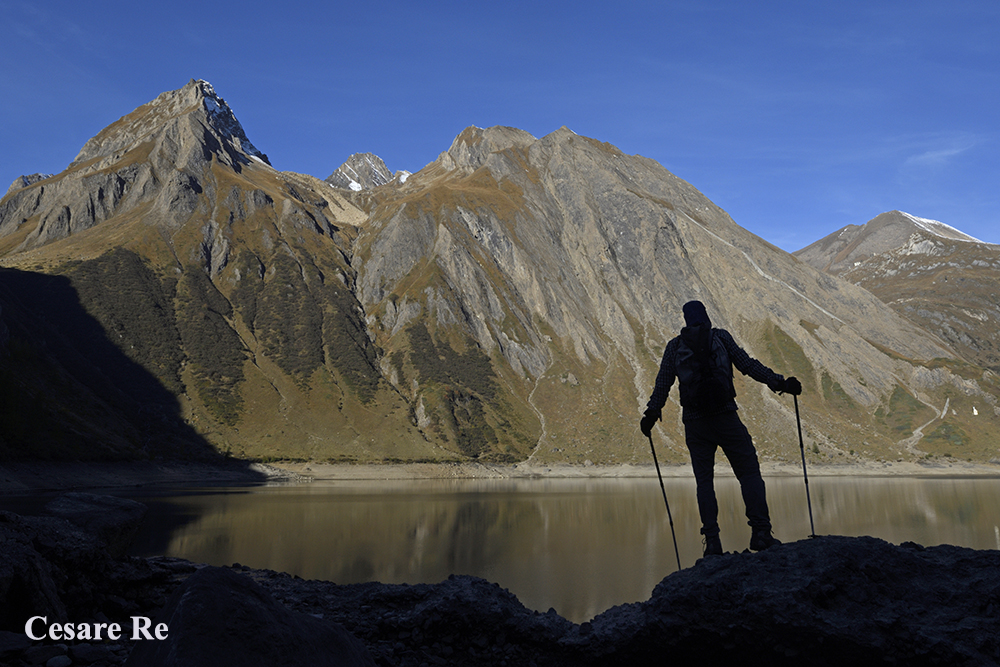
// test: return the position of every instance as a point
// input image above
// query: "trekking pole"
(802, 448)
(669, 516)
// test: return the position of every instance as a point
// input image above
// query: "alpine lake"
(578, 545)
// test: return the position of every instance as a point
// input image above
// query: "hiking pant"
(703, 436)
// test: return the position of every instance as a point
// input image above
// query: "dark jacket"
(736, 357)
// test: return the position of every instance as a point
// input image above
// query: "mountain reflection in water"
(579, 546)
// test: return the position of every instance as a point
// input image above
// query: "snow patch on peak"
(222, 118)
(207, 89)
(260, 161)
(940, 229)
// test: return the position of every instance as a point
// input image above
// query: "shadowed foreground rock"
(824, 601)
(828, 601)
(113, 520)
(218, 617)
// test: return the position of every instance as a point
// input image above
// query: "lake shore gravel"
(38, 477)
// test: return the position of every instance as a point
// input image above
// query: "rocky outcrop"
(26, 180)
(827, 601)
(59, 564)
(824, 601)
(114, 521)
(27, 579)
(220, 617)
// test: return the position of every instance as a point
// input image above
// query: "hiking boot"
(762, 539)
(713, 546)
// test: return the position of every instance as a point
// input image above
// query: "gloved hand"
(648, 421)
(792, 386)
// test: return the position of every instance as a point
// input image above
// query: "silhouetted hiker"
(702, 359)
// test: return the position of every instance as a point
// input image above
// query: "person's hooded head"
(695, 314)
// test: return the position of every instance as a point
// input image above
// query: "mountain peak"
(849, 246)
(940, 278)
(474, 144)
(361, 171)
(159, 154)
(197, 100)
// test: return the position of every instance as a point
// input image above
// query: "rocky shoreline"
(332, 472)
(37, 477)
(823, 601)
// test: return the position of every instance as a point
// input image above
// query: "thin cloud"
(935, 158)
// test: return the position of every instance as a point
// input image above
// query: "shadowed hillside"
(68, 391)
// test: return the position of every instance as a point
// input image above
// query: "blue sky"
(797, 118)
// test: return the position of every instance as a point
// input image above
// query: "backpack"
(704, 371)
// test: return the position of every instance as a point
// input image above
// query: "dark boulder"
(62, 568)
(826, 601)
(12, 644)
(113, 520)
(219, 617)
(28, 581)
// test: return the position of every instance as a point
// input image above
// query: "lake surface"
(578, 546)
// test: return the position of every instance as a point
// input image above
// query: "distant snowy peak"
(363, 171)
(940, 229)
(223, 120)
(849, 246)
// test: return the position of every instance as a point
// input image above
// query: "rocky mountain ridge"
(940, 278)
(509, 301)
(851, 245)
